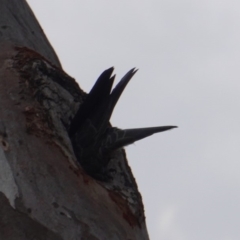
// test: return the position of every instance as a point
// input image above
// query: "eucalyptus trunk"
(44, 192)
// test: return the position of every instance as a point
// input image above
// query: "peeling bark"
(45, 194)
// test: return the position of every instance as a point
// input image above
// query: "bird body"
(92, 136)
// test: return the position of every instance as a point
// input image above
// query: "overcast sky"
(188, 55)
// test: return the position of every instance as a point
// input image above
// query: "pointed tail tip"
(161, 129)
(109, 70)
(133, 70)
(169, 127)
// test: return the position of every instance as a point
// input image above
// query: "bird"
(93, 138)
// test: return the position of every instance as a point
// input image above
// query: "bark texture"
(44, 193)
(18, 25)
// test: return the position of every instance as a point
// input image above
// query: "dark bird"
(92, 136)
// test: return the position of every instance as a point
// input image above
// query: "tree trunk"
(44, 193)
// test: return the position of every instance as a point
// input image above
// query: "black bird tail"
(117, 91)
(92, 136)
(117, 138)
(100, 118)
(98, 94)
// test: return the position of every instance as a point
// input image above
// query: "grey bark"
(18, 25)
(44, 193)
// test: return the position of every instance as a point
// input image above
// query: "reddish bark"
(45, 194)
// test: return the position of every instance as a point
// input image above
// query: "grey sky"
(188, 56)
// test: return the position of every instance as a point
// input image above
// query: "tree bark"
(44, 192)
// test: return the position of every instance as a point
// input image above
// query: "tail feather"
(98, 94)
(117, 138)
(100, 118)
(117, 91)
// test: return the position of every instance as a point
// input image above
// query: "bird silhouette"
(93, 138)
